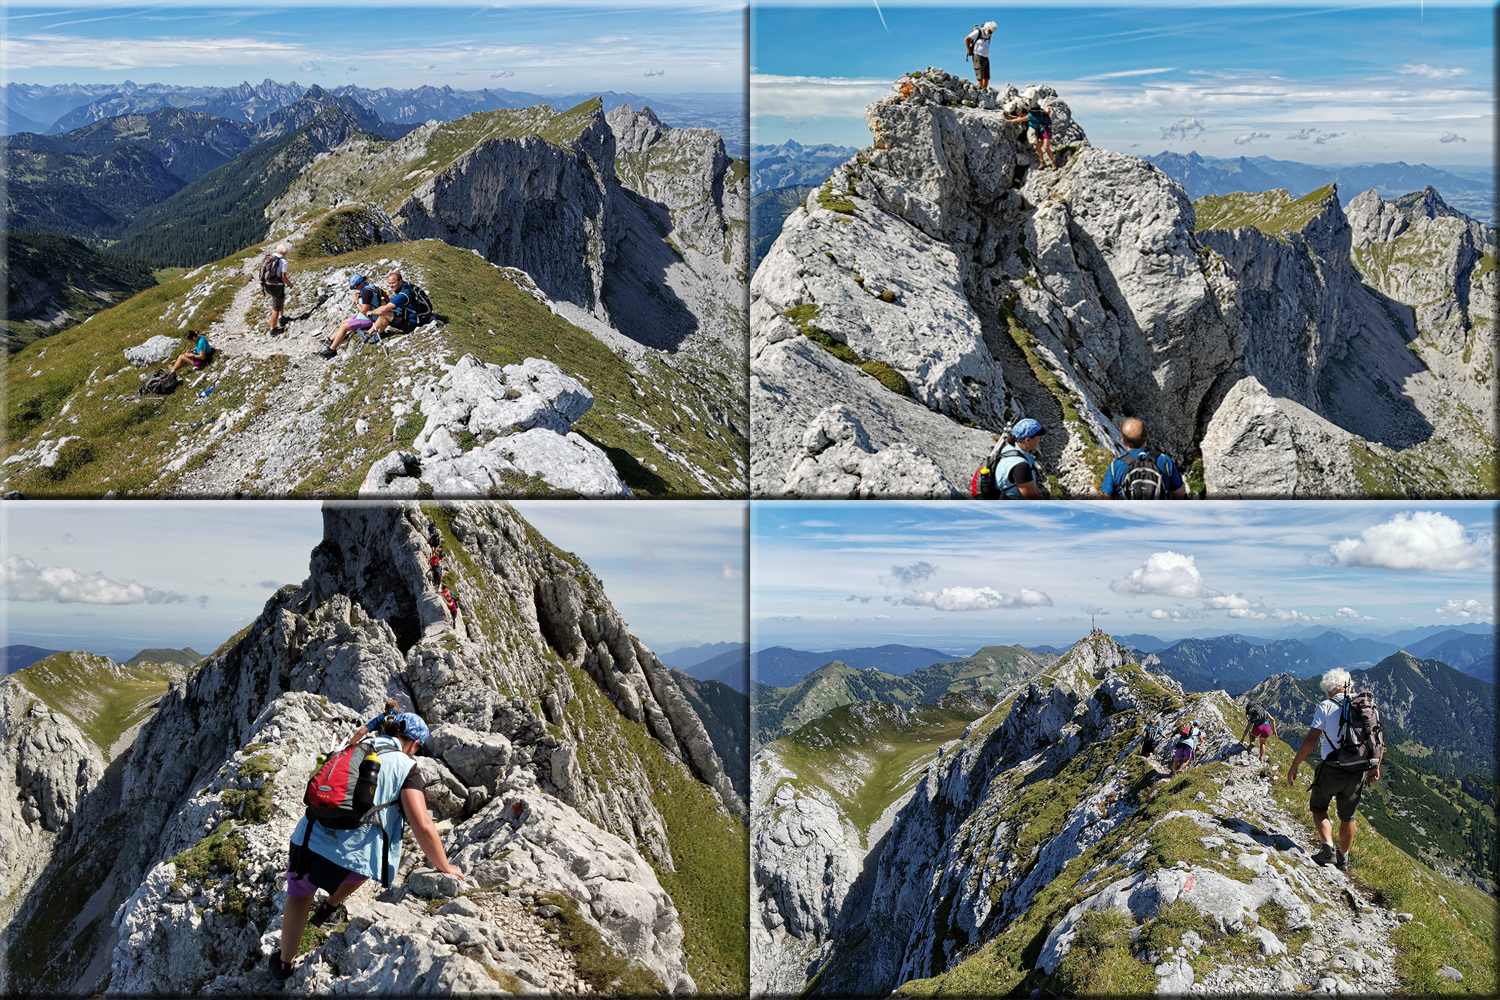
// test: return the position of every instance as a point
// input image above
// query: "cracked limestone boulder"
(1259, 445)
(838, 462)
(158, 348)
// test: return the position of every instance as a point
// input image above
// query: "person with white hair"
(1346, 729)
(977, 43)
(273, 282)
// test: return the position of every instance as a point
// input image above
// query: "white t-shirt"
(981, 43)
(279, 267)
(1327, 719)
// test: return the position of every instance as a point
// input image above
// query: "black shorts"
(402, 325)
(1147, 748)
(981, 67)
(311, 866)
(1332, 782)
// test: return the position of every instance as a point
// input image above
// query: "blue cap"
(355, 280)
(1027, 427)
(415, 727)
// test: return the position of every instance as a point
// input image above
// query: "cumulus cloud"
(1245, 138)
(1095, 611)
(1174, 615)
(815, 96)
(1465, 609)
(1414, 541)
(1231, 603)
(655, 72)
(499, 74)
(976, 599)
(1283, 615)
(1352, 615)
(1246, 613)
(268, 584)
(26, 581)
(1170, 574)
(1183, 128)
(913, 574)
(855, 597)
(1451, 137)
(309, 67)
(1431, 72)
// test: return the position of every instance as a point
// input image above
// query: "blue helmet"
(356, 280)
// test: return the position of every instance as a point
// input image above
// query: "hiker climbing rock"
(392, 709)
(1141, 474)
(1150, 737)
(1346, 730)
(433, 538)
(1038, 131)
(450, 600)
(1259, 725)
(197, 356)
(368, 297)
(436, 564)
(351, 831)
(1187, 742)
(1010, 471)
(977, 43)
(273, 281)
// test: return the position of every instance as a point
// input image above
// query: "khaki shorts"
(981, 67)
(278, 296)
(1331, 782)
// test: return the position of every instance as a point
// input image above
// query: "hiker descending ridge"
(1140, 474)
(1187, 742)
(1010, 471)
(368, 297)
(1259, 725)
(356, 803)
(198, 356)
(1038, 131)
(977, 43)
(1349, 736)
(273, 281)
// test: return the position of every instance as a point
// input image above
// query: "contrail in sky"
(887, 27)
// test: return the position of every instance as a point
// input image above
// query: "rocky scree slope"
(536, 694)
(941, 284)
(1040, 851)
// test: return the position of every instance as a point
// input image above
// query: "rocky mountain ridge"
(1040, 851)
(940, 284)
(168, 877)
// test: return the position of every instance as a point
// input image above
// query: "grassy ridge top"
(103, 698)
(1272, 212)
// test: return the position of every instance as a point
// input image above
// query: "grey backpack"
(159, 383)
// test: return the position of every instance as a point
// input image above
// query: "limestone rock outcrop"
(154, 349)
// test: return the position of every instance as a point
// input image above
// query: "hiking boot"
(1325, 855)
(1340, 860)
(328, 352)
(324, 913)
(280, 971)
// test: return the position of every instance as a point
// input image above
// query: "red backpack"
(341, 795)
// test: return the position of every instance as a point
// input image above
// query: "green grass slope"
(77, 384)
(1274, 213)
(725, 713)
(104, 699)
(778, 711)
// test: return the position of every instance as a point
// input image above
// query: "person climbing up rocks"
(1010, 472)
(450, 600)
(392, 709)
(1150, 738)
(977, 43)
(363, 841)
(436, 567)
(1187, 742)
(1346, 729)
(1140, 474)
(273, 281)
(198, 355)
(1038, 131)
(368, 297)
(1259, 725)
(433, 538)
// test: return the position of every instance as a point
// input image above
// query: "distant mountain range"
(1205, 175)
(19, 657)
(790, 163)
(779, 666)
(187, 656)
(725, 662)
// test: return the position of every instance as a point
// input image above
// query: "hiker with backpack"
(356, 804)
(273, 281)
(1141, 474)
(977, 43)
(368, 297)
(1010, 473)
(1259, 725)
(1187, 744)
(197, 356)
(407, 307)
(1346, 730)
(1150, 737)
(451, 601)
(436, 562)
(1038, 131)
(392, 709)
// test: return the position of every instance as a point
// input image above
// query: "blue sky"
(643, 47)
(192, 573)
(956, 577)
(1333, 82)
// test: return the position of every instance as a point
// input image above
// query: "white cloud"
(784, 618)
(1246, 613)
(975, 599)
(1182, 128)
(1418, 540)
(1168, 573)
(25, 581)
(1465, 609)
(309, 67)
(1231, 602)
(882, 617)
(499, 74)
(1246, 138)
(815, 96)
(36, 51)
(655, 72)
(1431, 72)
(1283, 615)
(1130, 72)
(1451, 137)
(1174, 615)
(913, 573)
(729, 572)
(1351, 614)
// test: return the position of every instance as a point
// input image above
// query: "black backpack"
(1142, 479)
(418, 309)
(159, 383)
(1256, 713)
(1360, 736)
(269, 273)
(1041, 117)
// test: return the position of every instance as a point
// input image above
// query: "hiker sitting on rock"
(367, 298)
(339, 861)
(1038, 131)
(392, 709)
(1259, 725)
(1139, 474)
(977, 43)
(1346, 729)
(396, 313)
(198, 356)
